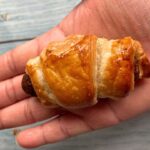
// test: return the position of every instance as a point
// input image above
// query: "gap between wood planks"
(16, 40)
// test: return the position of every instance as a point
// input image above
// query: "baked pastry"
(75, 72)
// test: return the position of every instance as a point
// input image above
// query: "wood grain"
(22, 20)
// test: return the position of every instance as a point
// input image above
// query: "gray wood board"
(27, 19)
(22, 20)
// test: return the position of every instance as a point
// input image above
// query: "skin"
(103, 18)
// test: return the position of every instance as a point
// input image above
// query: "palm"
(90, 17)
(113, 19)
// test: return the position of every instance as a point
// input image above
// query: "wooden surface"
(21, 21)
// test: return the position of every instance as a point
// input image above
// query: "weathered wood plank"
(27, 19)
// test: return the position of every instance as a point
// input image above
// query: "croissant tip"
(27, 85)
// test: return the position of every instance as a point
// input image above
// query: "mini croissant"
(76, 72)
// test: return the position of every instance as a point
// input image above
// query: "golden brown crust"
(33, 69)
(68, 70)
(72, 73)
(126, 64)
(141, 61)
(117, 78)
(123, 61)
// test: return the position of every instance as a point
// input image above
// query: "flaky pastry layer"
(75, 72)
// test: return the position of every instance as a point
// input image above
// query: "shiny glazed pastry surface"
(75, 72)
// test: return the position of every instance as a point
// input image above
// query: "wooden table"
(21, 21)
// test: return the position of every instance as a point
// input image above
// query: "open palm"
(104, 18)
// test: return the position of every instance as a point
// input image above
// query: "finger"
(68, 125)
(13, 62)
(53, 131)
(25, 112)
(11, 91)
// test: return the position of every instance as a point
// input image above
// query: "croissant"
(78, 71)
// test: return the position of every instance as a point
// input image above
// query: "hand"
(111, 19)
